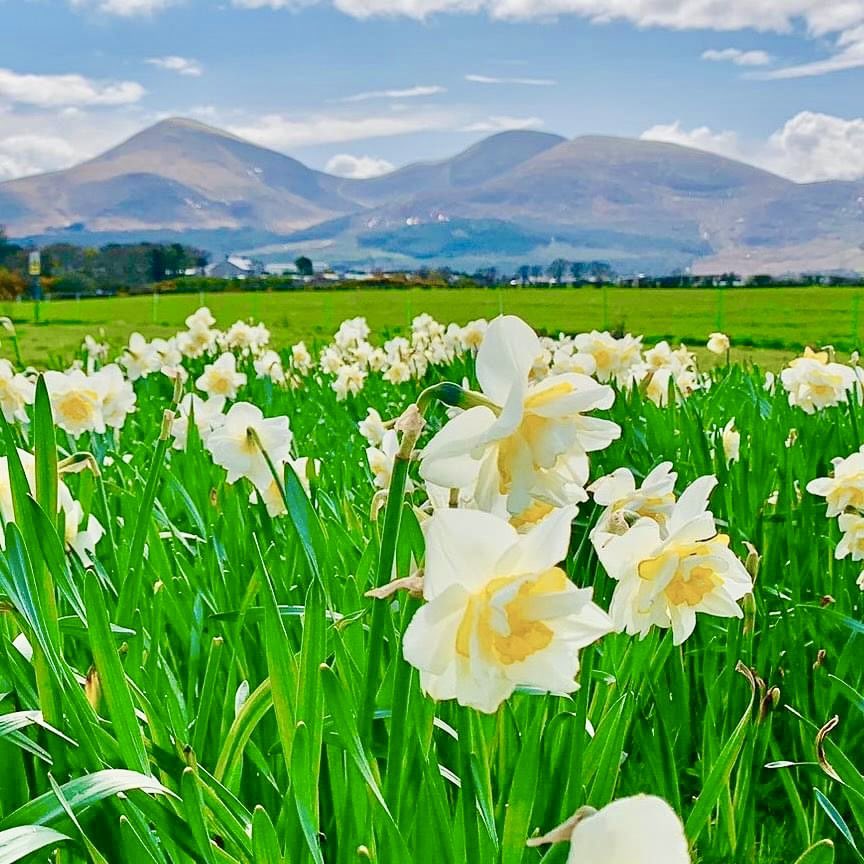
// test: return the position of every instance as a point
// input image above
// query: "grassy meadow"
(776, 321)
(211, 684)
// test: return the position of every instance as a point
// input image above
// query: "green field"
(780, 319)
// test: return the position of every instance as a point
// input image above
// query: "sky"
(357, 87)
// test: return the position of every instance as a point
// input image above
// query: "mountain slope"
(177, 174)
(513, 197)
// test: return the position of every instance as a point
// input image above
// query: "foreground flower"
(76, 401)
(638, 830)
(503, 447)
(718, 343)
(665, 582)
(221, 378)
(846, 488)
(499, 612)
(237, 444)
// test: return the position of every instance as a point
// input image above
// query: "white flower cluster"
(844, 495)
(813, 381)
(91, 402)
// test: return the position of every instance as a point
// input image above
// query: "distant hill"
(512, 198)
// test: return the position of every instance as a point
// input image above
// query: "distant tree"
(558, 268)
(577, 271)
(486, 276)
(524, 273)
(158, 264)
(12, 285)
(74, 284)
(600, 271)
(304, 266)
(536, 271)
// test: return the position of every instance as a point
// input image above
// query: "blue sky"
(362, 85)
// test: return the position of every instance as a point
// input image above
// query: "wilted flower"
(718, 343)
(500, 613)
(237, 444)
(665, 582)
(846, 488)
(522, 429)
(638, 830)
(221, 378)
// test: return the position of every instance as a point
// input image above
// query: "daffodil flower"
(666, 582)
(239, 444)
(500, 613)
(846, 488)
(643, 829)
(520, 429)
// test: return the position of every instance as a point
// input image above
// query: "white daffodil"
(301, 359)
(139, 357)
(118, 395)
(665, 582)
(846, 488)
(616, 359)
(270, 493)
(625, 503)
(382, 459)
(237, 444)
(638, 830)
(221, 377)
(507, 447)
(730, 437)
(269, 365)
(16, 393)
(499, 612)
(372, 428)
(718, 343)
(812, 382)
(208, 417)
(852, 541)
(349, 380)
(76, 400)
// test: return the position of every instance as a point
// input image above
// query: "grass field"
(781, 320)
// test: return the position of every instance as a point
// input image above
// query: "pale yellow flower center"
(528, 431)
(688, 586)
(220, 385)
(75, 407)
(532, 514)
(523, 636)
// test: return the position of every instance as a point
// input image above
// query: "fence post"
(856, 306)
(720, 309)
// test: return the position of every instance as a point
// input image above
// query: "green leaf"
(839, 822)
(819, 853)
(18, 843)
(112, 678)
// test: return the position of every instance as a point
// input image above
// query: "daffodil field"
(463, 595)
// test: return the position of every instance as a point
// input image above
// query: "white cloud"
(738, 57)
(285, 133)
(850, 55)
(124, 8)
(502, 123)
(56, 91)
(357, 167)
(530, 82)
(180, 65)
(31, 154)
(405, 93)
(807, 148)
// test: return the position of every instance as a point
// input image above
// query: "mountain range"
(515, 197)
